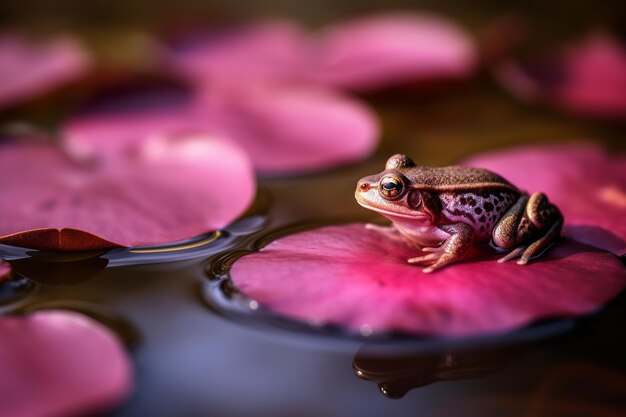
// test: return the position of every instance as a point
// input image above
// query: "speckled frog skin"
(447, 211)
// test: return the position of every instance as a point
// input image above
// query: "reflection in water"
(71, 268)
(15, 289)
(60, 268)
(200, 247)
(125, 330)
(570, 389)
(397, 373)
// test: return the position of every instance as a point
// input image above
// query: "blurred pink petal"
(588, 79)
(384, 50)
(283, 129)
(58, 363)
(295, 129)
(5, 270)
(124, 120)
(584, 181)
(368, 53)
(264, 51)
(31, 68)
(165, 189)
(349, 276)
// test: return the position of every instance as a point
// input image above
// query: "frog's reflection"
(397, 373)
(60, 268)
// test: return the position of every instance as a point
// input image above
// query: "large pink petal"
(367, 53)
(588, 79)
(58, 363)
(29, 68)
(103, 136)
(395, 48)
(284, 129)
(584, 181)
(295, 129)
(166, 189)
(264, 51)
(351, 276)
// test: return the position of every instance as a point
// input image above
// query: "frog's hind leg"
(526, 252)
(528, 218)
(507, 232)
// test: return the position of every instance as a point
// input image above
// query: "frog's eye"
(391, 187)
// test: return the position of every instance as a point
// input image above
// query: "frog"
(447, 212)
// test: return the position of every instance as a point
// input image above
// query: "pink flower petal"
(34, 68)
(368, 53)
(295, 129)
(5, 270)
(263, 51)
(59, 363)
(384, 50)
(165, 189)
(283, 129)
(588, 79)
(586, 183)
(351, 276)
(116, 124)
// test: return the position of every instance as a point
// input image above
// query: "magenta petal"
(266, 51)
(107, 135)
(165, 189)
(589, 79)
(58, 363)
(295, 129)
(395, 48)
(284, 129)
(351, 276)
(35, 68)
(5, 270)
(586, 183)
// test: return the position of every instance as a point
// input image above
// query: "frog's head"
(390, 192)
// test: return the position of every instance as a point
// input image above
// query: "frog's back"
(456, 178)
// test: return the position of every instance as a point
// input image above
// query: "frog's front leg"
(453, 249)
(530, 226)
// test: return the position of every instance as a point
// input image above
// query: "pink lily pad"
(294, 129)
(389, 49)
(57, 363)
(5, 270)
(283, 129)
(351, 276)
(367, 53)
(583, 180)
(263, 51)
(589, 78)
(165, 189)
(35, 68)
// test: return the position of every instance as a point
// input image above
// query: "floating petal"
(30, 68)
(588, 79)
(165, 189)
(57, 363)
(353, 277)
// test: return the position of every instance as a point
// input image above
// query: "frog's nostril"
(364, 186)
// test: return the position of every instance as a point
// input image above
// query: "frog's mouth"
(391, 214)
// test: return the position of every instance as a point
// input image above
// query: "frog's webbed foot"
(525, 252)
(529, 227)
(435, 258)
(454, 249)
